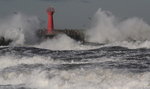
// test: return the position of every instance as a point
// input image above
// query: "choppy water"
(123, 62)
(110, 67)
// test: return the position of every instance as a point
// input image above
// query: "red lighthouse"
(50, 25)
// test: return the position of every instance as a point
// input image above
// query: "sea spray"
(23, 29)
(108, 28)
(20, 28)
(62, 42)
(111, 67)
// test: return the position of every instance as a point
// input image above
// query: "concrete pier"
(75, 34)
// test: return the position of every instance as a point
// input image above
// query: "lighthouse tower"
(50, 25)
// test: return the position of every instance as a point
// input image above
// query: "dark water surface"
(100, 62)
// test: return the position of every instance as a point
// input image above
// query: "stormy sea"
(117, 55)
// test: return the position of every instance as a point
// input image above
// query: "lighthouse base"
(77, 35)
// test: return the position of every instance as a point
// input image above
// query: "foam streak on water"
(103, 68)
(122, 62)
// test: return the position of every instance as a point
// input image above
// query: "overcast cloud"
(76, 13)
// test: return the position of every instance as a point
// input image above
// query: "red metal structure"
(50, 27)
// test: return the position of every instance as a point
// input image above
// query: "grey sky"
(76, 13)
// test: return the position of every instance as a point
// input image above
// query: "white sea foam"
(79, 79)
(63, 42)
(108, 28)
(131, 33)
(7, 61)
(20, 28)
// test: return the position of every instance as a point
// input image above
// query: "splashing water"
(20, 28)
(62, 63)
(107, 28)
